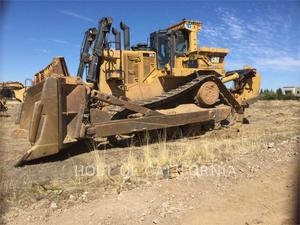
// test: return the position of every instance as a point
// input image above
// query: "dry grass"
(214, 147)
(206, 150)
(98, 164)
(188, 152)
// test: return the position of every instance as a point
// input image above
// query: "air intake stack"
(125, 30)
(117, 35)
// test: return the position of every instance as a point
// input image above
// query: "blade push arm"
(246, 84)
(103, 29)
(89, 37)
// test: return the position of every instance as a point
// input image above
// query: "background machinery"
(127, 88)
(11, 90)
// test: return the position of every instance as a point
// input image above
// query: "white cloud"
(259, 41)
(211, 31)
(59, 41)
(254, 28)
(235, 26)
(76, 15)
(280, 63)
(42, 50)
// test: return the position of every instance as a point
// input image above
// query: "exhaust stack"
(125, 29)
(117, 35)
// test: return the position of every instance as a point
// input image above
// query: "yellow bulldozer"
(129, 89)
(11, 90)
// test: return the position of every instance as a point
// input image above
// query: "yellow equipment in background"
(12, 90)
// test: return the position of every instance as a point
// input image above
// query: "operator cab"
(161, 42)
(175, 41)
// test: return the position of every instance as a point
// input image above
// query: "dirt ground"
(243, 174)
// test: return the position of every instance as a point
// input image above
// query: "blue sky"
(263, 34)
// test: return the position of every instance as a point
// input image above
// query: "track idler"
(208, 94)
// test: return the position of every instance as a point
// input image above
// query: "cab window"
(163, 51)
(182, 42)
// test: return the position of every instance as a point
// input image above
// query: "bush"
(278, 95)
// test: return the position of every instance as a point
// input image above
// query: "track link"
(173, 96)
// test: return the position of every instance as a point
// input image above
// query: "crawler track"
(180, 95)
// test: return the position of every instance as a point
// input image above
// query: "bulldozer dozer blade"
(57, 68)
(52, 114)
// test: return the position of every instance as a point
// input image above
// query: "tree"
(267, 94)
(279, 94)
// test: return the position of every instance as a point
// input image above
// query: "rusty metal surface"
(98, 116)
(43, 125)
(52, 113)
(72, 102)
(33, 95)
(126, 126)
(57, 68)
(123, 103)
(208, 93)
